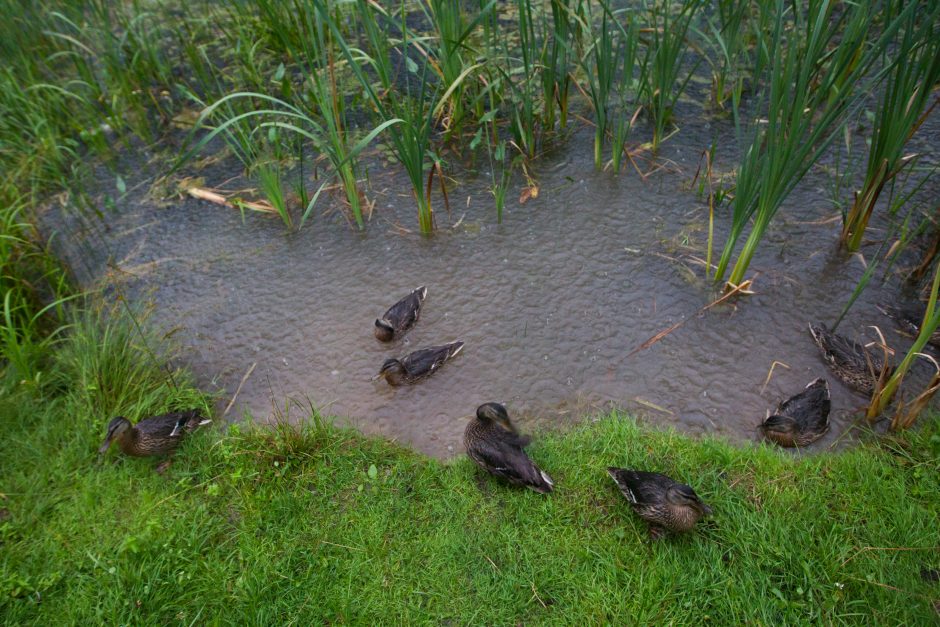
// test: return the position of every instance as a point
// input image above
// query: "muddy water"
(550, 303)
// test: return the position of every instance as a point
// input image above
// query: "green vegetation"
(323, 524)
(266, 525)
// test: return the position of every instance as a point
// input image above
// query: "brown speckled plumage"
(157, 435)
(659, 500)
(401, 316)
(856, 366)
(801, 419)
(495, 445)
(418, 365)
(909, 318)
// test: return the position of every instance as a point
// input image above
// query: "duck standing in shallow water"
(850, 361)
(495, 445)
(660, 501)
(417, 365)
(157, 435)
(802, 419)
(401, 316)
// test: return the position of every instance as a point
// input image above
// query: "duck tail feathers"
(544, 485)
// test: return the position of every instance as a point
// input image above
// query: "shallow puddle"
(551, 303)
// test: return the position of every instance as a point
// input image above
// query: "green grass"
(322, 524)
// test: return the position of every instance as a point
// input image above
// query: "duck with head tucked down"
(659, 500)
(855, 365)
(494, 444)
(157, 435)
(401, 316)
(801, 419)
(417, 365)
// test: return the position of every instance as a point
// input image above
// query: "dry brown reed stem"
(219, 199)
(239, 389)
(885, 373)
(907, 413)
(742, 288)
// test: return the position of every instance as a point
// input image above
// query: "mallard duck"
(848, 360)
(660, 501)
(493, 443)
(401, 316)
(417, 365)
(157, 435)
(802, 419)
(910, 318)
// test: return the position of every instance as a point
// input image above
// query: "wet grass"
(323, 524)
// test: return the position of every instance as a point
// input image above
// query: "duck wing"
(404, 314)
(842, 352)
(639, 487)
(425, 361)
(506, 459)
(811, 406)
(171, 423)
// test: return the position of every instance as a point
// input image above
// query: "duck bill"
(705, 509)
(105, 446)
(380, 375)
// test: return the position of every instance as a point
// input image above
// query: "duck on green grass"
(660, 501)
(401, 316)
(157, 435)
(495, 445)
(801, 419)
(417, 365)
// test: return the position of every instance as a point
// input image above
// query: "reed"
(812, 52)
(600, 64)
(663, 82)
(914, 61)
(412, 111)
(626, 89)
(886, 393)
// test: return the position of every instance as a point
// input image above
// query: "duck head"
(384, 331)
(116, 428)
(495, 413)
(781, 426)
(684, 496)
(392, 371)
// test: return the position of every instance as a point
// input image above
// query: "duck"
(417, 365)
(659, 500)
(850, 361)
(494, 444)
(910, 318)
(401, 316)
(157, 435)
(801, 419)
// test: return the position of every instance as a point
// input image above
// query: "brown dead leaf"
(528, 192)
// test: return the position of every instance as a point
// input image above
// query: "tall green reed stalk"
(663, 83)
(287, 117)
(883, 397)
(914, 71)
(627, 109)
(600, 68)
(412, 111)
(812, 51)
(450, 56)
